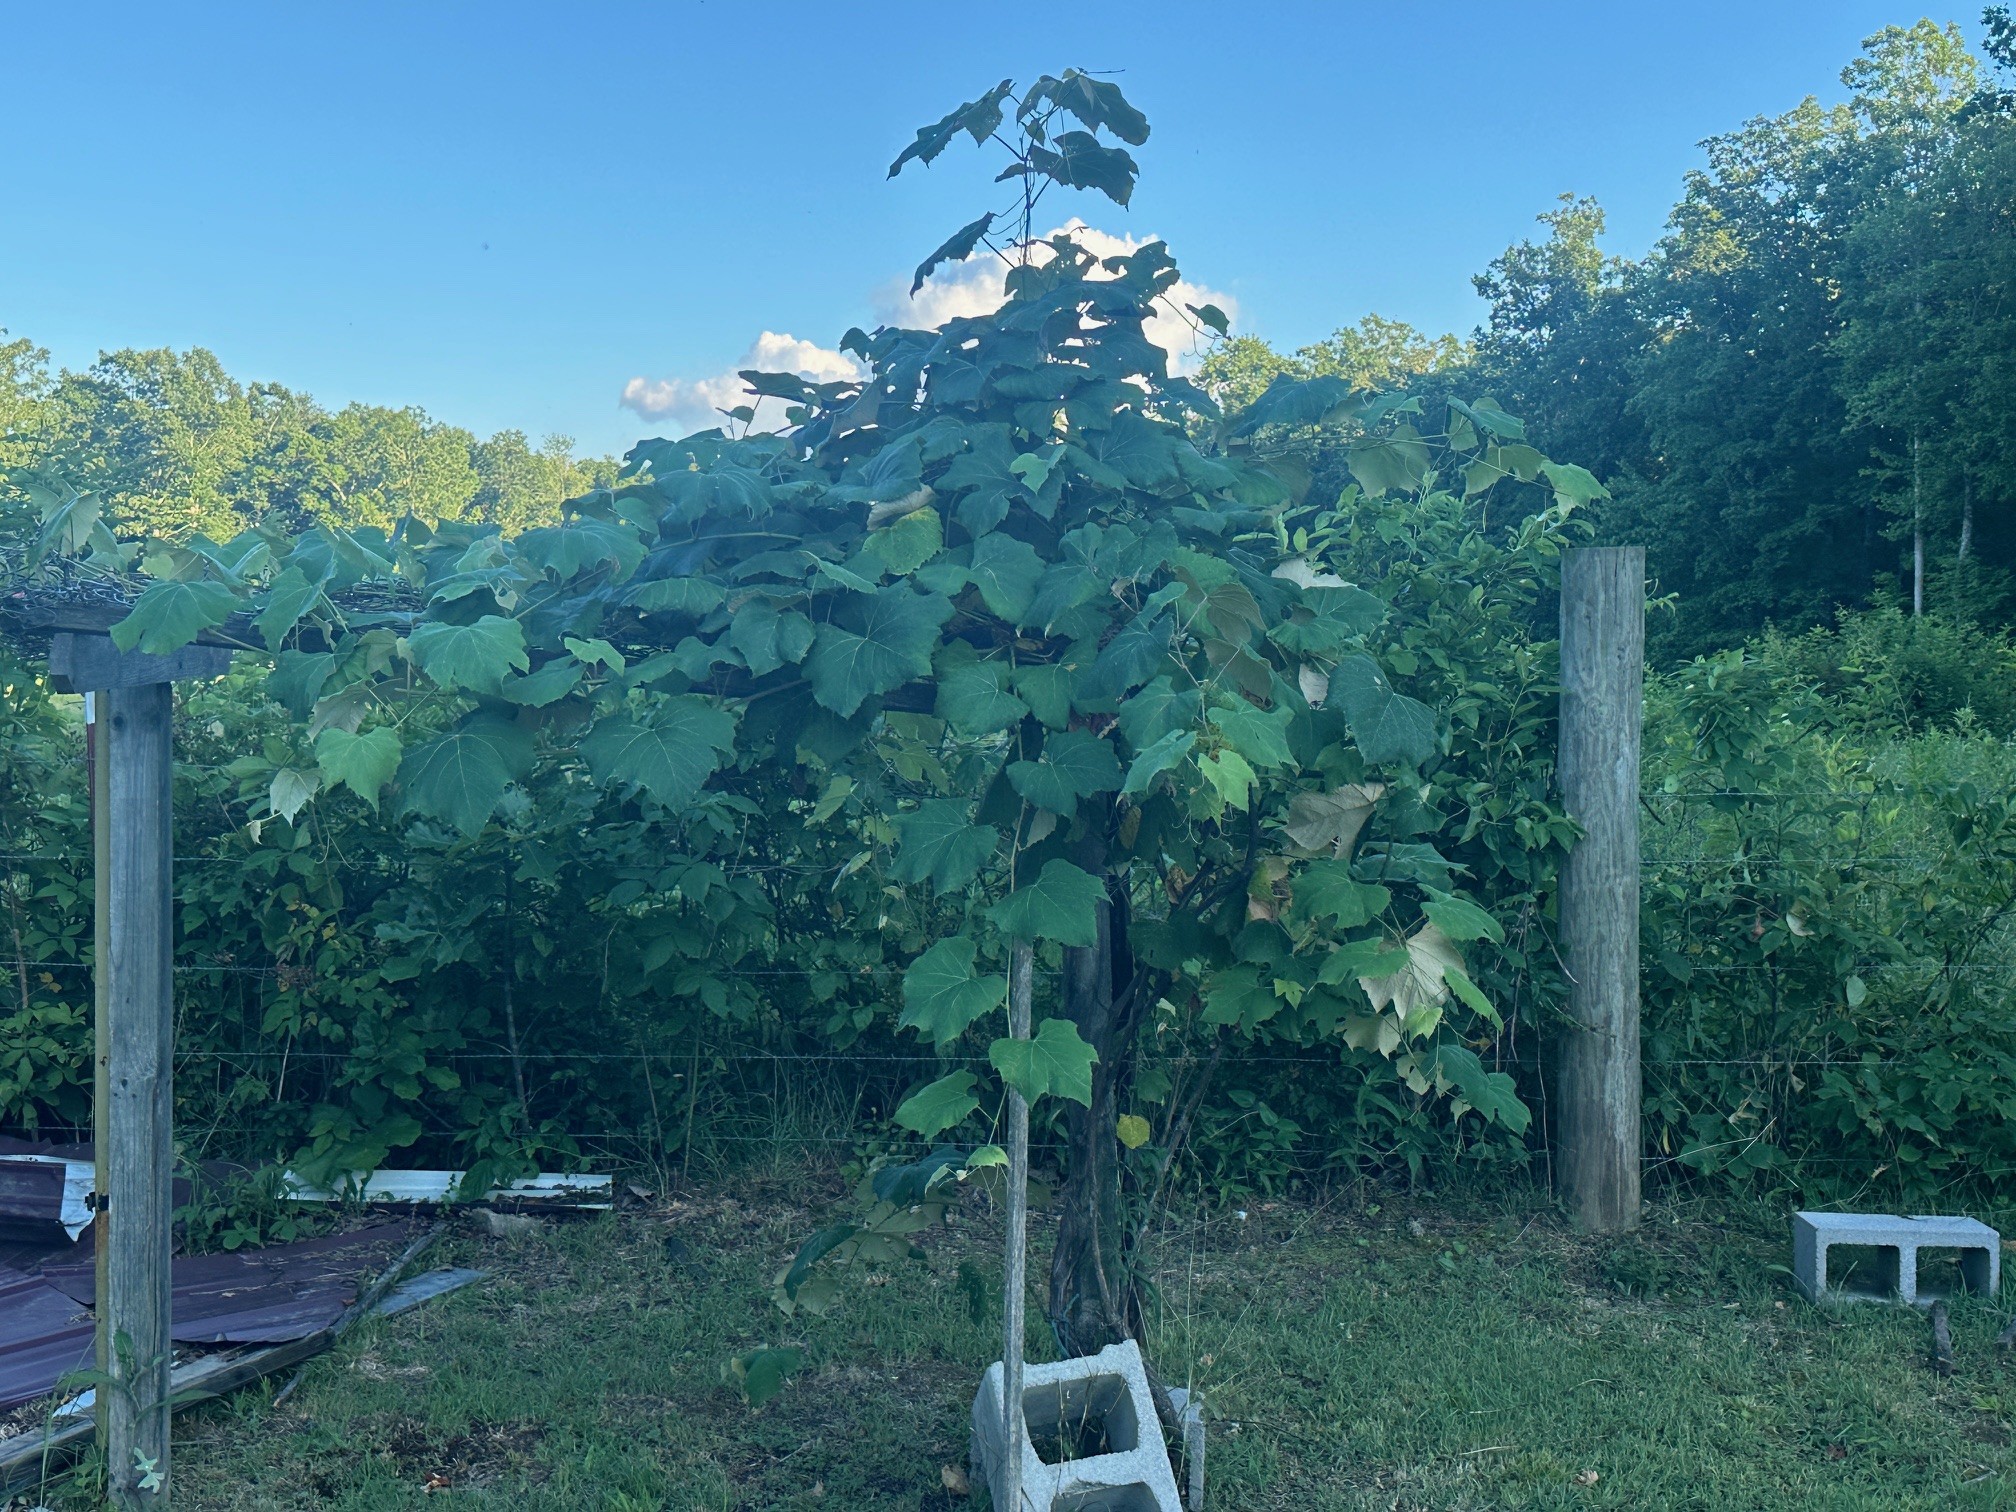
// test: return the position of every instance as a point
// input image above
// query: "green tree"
(1558, 341)
(518, 487)
(1924, 274)
(368, 465)
(994, 621)
(24, 387)
(161, 436)
(1375, 354)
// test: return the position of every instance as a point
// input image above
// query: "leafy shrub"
(1882, 672)
(1828, 942)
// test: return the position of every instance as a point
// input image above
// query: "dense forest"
(174, 445)
(1795, 397)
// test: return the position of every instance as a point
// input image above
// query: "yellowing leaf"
(1332, 821)
(291, 791)
(1302, 575)
(1420, 986)
(1132, 1130)
(1368, 1031)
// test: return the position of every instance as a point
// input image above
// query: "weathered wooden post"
(1021, 998)
(1602, 707)
(133, 841)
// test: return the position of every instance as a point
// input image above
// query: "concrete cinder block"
(1105, 1394)
(1900, 1240)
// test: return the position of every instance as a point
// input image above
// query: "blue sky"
(506, 212)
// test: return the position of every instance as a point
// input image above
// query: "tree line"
(1793, 396)
(177, 447)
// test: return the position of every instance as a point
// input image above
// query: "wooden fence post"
(1021, 997)
(132, 754)
(136, 1138)
(1597, 1087)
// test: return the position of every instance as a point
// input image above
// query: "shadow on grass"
(1358, 1352)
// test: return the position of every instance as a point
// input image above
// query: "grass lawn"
(1364, 1352)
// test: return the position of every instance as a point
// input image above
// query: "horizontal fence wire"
(1886, 868)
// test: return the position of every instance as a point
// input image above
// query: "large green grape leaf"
(1157, 759)
(675, 595)
(971, 697)
(1296, 401)
(769, 637)
(569, 549)
(1417, 991)
(942, 845)
(1079, 160)
(287, 599)
(942, 994)
(1046, 688)
(957, 246)
(1063, 587)
(902, 547)
(170, 615)
(1572, 484)
(1397, 463)
(1156, 710)
(1388, 726)
(1242, 995)
(551, 683)
(1094, 101)
(1074, 765)
(1138, 450)
(1126, 661)
(979, 119)
(1460, 919)
(290, 791)
(1054, 1060)
(1327, 890)
(1061, 904)
(1261, 737)
(460, 776)
(363, 763)
(984, 478)
(297, 678)
(471, 657)
(670, 753)
(933, 1109)
(1491, 1093)
(1005, 571)
(875, 644)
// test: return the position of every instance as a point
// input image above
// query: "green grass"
(1366, 1352)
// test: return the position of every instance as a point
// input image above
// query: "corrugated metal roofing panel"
(262, 1296)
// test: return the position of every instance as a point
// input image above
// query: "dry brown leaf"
(1314, 683)
(1332, 821)
(954, 1480)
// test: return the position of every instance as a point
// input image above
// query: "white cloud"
(971, 287)
(696, 403)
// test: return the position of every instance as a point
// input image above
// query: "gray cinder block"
(1107, 1395)
(1900, 1240)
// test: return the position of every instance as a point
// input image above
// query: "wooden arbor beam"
(133, 835)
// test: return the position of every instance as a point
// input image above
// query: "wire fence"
(1716, 863)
